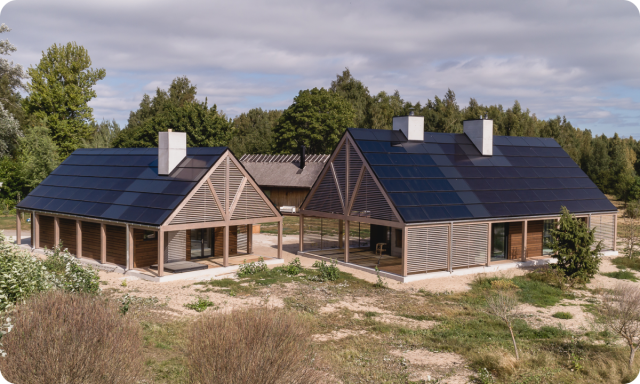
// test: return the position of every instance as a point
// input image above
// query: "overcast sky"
(576, 58)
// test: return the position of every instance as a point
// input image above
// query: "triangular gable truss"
(348, 186)
(215, 199)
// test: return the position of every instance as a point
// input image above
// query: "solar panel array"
(120, 184)
(446, 178)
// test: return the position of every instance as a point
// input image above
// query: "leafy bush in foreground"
(69, 274)
(252, 268)
(71, 338)
(327, 272)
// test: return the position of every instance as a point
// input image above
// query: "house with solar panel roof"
(156, 210)
(415, 204)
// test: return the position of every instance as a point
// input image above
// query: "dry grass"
(71, 338)
(259, 346)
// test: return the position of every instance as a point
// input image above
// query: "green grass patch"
(200, 305)
(370, 314)
(563, 315)
(621, 275)
(623, 262)
(538, 293)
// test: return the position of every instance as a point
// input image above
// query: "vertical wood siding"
(427, 249)
(233, 240)
(469, 245)
(218, 238)
(534, 238)
(145, 252)
(605, 230)
(46, 232)
(287, 196)
(90, 240)
(68, 235)
(116, 244)
(515, 240)
(242, 239)
(370, 201)
(355, 164)
(199, 209)
(326, 197)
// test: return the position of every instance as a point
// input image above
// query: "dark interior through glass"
(499, 241)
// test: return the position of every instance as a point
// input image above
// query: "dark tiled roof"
(120, 184)
(446, 178)
(284, 170)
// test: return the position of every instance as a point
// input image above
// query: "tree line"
(38, 131)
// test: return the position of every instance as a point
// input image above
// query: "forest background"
(45, 116)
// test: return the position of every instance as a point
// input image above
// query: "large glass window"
(499, 241)
(547, 239)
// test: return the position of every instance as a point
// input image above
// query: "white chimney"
(172, 148)
(412, 126)
(480, 132)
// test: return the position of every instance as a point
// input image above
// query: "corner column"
(161, 252)
(56, 231)
(525, 225)
(103, 243)
(301, 234)
(36, 231)
(78, 239)
(346, 241)
(405, 247)
(615, 231)
(131, 247)
(280, 238)
(340, 233)
(225, 247)
(18, 228)
(128, 245)
(490, 235)
(249, 239)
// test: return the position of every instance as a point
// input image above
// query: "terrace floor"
(211, 262)
(363, 257)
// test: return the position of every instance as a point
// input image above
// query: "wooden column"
(489, 244)
(33, 236)
(346, 242)
(103, 243)
(449, 245)
(615, 232)
(340, 233)
(36, 231)
(127, 235)
(249, 238)
(280, 238)
(18, 229)
(78, 239)
(160, 237)
(56, 231)
(405, 246)
(301, 234)
(525, 224)
(225, 246)
(131, 247)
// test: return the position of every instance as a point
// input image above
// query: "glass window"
(547, 249)
(499, 239)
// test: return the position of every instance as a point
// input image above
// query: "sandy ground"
(430, 366)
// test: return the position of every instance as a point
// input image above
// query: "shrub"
(200, 305)
(293, 268)
(563, 315)
(326, 272)
(504, 285)
(252, 268)
(259, 346)
(69, 274)
(71, 338)
(379, 282)
(575, 248)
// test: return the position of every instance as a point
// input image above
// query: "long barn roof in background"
(120, 184)
(446, 178)
(283, 171)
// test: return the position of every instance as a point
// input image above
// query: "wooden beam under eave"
(18, 228)
(78, 238)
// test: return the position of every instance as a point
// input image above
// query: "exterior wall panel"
(90, 240)
(116, 245)
(534, 238)
(605, 230)
(515, 240)
(46, 232)
(68, 235)
(145, 252)
(427, 249)
(469, 246)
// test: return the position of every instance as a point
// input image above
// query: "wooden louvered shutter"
(427, 249)
(469, 245)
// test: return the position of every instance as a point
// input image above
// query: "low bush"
(293, 268)
(71, 338)
(252, 268)
(69, 274)
(563, 315)
(326, 272)
(259, 346)
(200, 305)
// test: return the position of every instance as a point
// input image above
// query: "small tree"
(503, 305)
(620, 311)
(573, 244)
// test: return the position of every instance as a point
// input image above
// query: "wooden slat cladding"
(515, 240)
(355, 164)
(188, 245)
(251, 205)
(90, 240)
(46, 232)
(68, 235)
(235, 179)
(534, 238)
(605, 230)
(176, 244)
(469, 245)
(145, 252)
(326, 197)
(200, 208)
(427, 249)
(218, 239)
(233, 240)
(242, 239)
(340, 169)
(116, 244)
(218, 178)
(370, 201)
